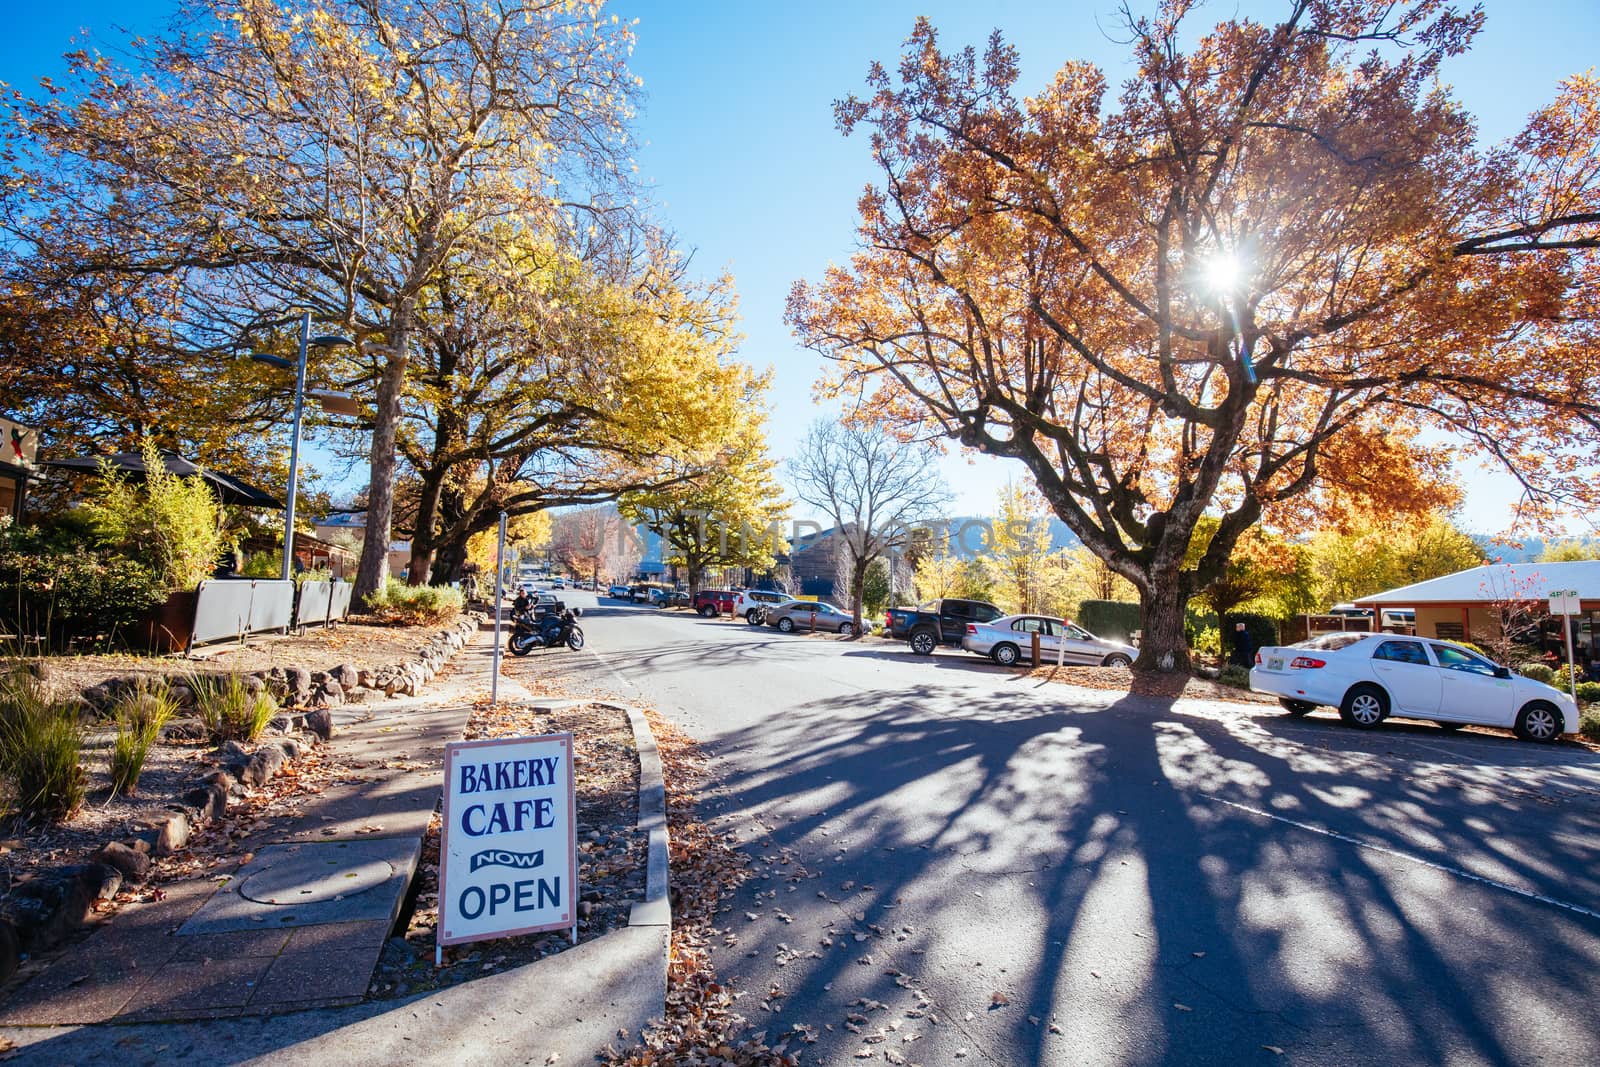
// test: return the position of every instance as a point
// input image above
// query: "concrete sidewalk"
(273, 965)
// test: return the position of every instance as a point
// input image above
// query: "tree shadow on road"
(1167, 867)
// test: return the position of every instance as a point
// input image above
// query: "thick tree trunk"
(448, 562)
(423, 535)
(374, 568)
(1163, 646)
(858, 589)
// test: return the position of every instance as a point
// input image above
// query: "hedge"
(1108, 618)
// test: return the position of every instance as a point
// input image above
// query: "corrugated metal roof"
(1496, 582)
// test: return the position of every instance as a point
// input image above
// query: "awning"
(229, 490)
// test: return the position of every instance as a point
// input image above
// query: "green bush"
(1108, 618)
(40, 744)
(176, 523)
(1539, 672)
(140, 714)
(1588, 692)
(1589, 724)
(229, 710)
(1235, 675)
(73, 594)
(417, 605)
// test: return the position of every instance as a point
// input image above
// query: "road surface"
(960, 865)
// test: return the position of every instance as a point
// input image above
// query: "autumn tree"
(1019, 550)
(1569, 551)
(336, 154)
(875, 489)
(596, 542)
(1245, 285)
(1373, 556)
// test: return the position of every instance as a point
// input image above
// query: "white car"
(1010, 637)
(748, 600)
(1369, 677)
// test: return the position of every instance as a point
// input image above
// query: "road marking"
(1397, 854)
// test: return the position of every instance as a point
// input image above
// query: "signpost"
(508, 861)
(499, 592)
(1566, 603)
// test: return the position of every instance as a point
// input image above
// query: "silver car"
(1009, 638)
(810, 615)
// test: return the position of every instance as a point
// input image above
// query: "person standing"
(1243, 653)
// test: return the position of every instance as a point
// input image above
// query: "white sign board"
(508, 860)
(1564, 602)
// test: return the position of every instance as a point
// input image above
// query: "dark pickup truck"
(938, 622)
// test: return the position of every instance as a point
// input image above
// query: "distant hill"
(1531, 549)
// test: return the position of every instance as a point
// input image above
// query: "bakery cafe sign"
(508, 862)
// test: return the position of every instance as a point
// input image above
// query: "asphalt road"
(958, 865)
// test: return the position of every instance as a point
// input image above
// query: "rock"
(172, 834)
(330, 695)
(318, 677)
(585, 909)
(291, 748)
(263, 766)
(367, 679)
(97, 697)
(252, 683)
(185, 730)
(183, 695)
(346, 675)
(361, 696)
(43, 910)
(233, 752)
(281, 724)
(320, 722)
(209, 801)
(132, 864)
(299, 681)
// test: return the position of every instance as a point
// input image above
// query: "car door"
(1081, 646)
(953, 618)
(1413, 682)
(1471, 690)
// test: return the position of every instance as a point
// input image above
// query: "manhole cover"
(307, 880)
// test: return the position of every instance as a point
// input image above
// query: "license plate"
(1274, 664)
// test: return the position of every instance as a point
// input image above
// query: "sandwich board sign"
(508, 861)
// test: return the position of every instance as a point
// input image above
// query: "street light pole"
(294, 446)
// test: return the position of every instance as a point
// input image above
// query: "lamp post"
(330, 400)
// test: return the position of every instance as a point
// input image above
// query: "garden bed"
(1171, 686)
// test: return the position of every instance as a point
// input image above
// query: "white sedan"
(1006, 640)
(1369, 677)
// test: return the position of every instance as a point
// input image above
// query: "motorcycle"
(756, 616)
(551, 630)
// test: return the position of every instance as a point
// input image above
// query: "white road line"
(1397, 854)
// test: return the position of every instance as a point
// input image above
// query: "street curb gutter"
(655, 909)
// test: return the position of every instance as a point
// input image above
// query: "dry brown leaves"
(1169, 686)
(701, 1025)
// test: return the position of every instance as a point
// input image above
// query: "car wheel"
(1297, 708)
(847, 629)
(1364, 707)
(753, 618)
(1451, 727)
(786, 625)
(1116, 660)
(1539, 722)
(923, 643)
(1005, 655)
(706, 611)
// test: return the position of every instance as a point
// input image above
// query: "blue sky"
(747, 167)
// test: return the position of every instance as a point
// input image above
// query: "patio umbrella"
(229, 490)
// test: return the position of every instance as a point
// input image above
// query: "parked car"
(713, 602)
(559, 583)
(748, 600)
(795, 615)
(618, 591)
(1369, 677)
(674, 598)
(1010, 638)
(938, 622)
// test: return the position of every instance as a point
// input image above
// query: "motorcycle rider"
(521, 605)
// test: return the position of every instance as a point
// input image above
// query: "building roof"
(1496, 582)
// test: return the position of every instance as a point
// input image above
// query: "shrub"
(1108, 618)
(74, 594)
(140, 713)
(1588, 692)
(417, 605)
(1539, 672)
(40, 743)
(173, 521)
(1235, 675)
(229, 710)
(1589, 724)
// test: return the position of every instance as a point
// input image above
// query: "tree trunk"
(448, 561)
(858, 587)
(423, 533)
(374, 569)
(1163, 646)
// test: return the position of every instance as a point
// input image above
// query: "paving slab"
(306, 883)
